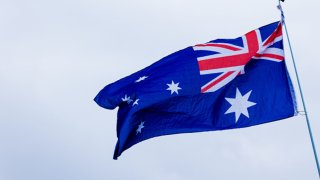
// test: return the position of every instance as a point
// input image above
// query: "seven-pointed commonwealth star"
(141, 79)
(174, 87)
(240, 104)
(140, 127)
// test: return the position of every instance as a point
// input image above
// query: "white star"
(174, 87)
(141, 79)
(240, 104)
(135, 102)
(127, 99)
(141, 125)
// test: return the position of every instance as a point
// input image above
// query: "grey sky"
(56, 55)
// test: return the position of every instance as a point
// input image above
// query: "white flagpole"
(300, 90)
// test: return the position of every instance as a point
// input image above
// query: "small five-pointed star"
(127, 99)
(173, 87)
(135, 102)
(141, 79)
(239, 105)
(141, 125)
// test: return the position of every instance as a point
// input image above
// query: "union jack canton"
(229, 56)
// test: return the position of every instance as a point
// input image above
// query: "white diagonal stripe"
(221, 83)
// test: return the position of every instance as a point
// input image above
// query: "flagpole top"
(281, 11)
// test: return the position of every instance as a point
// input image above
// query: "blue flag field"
(218, 85)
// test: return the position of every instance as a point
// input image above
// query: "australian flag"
(218, 85)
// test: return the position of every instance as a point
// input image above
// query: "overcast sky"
(56, 55)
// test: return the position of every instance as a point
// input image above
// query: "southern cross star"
(135, 102)
(173, 87)
(141, 79)
(127, 99)
(239, 105)
(141, 125)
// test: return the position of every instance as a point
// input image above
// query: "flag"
(218, 85)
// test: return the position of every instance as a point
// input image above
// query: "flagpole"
(300, 90)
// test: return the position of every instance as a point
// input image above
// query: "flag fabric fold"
(222, 84)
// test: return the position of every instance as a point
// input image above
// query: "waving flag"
(222, 84)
